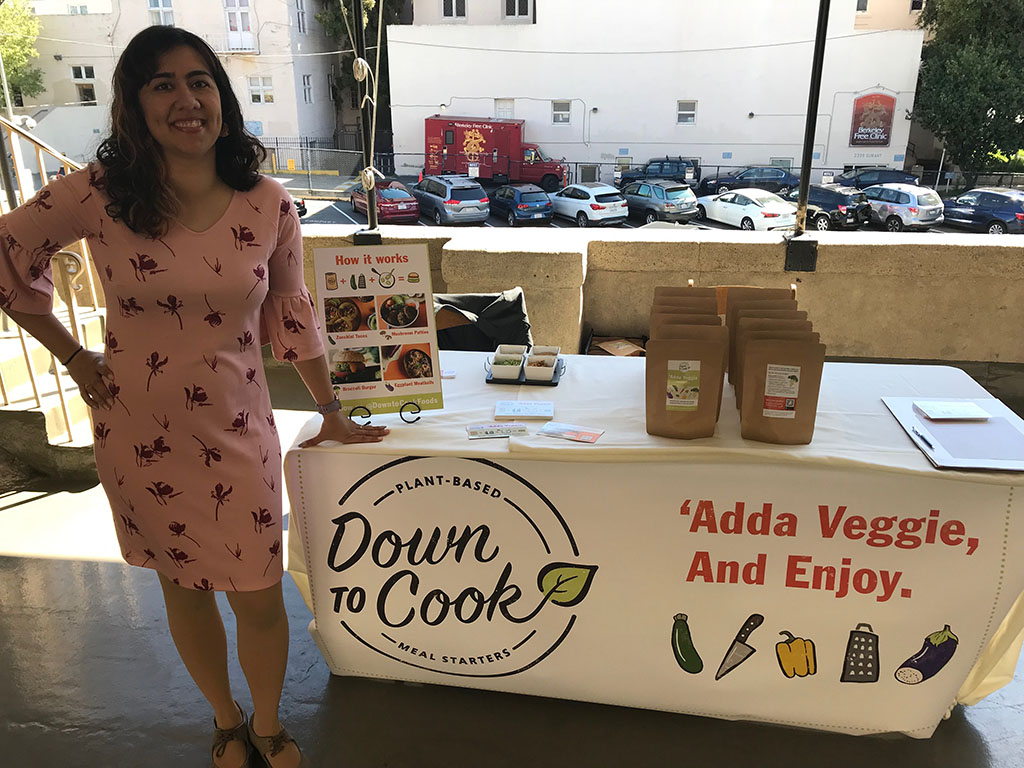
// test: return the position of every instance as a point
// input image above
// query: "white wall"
(635, 61)
(477, 12)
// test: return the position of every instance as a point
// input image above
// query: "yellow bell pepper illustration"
(796, 656)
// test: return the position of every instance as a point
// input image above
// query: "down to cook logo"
(455, 566)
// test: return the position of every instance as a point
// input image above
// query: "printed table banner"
(872, 120)
(376, 309)
(842, 600)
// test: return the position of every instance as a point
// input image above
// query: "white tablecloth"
(854, 430)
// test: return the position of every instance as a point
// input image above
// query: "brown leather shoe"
(268, 746)
(224, 736)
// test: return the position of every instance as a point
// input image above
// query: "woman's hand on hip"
(90, 372)
(343, 430)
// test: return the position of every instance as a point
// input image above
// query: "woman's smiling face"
(181, 105)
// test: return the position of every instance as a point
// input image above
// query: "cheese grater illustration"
(860, 664)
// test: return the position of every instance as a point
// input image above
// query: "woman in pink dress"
(200, 259)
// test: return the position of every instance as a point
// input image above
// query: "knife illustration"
(739, 651)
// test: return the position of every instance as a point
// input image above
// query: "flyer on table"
(376, 313)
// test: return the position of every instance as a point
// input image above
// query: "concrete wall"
(873, 295)
(634, 61)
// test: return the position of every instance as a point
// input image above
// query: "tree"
(17, 46)
(333, 15)
(969, 90)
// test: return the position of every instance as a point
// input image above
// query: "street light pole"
(812, 115)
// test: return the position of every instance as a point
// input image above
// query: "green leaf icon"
(566, 584)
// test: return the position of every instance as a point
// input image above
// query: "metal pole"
(938, 178)
(812, 114)
(362, 89)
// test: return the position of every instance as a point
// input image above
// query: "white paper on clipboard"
(996, 443)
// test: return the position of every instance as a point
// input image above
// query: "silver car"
(904, 206)
(452, 200)
(660, 200)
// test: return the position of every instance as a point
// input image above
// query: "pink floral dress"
(189, 455)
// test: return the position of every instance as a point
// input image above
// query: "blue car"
(777, 180)
(522, 204)
(995, 210)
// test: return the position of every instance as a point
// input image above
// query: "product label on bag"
(781, 387)
(682, 390)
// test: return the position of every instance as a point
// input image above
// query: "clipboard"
(995, 443)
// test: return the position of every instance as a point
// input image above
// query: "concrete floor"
(89, 677)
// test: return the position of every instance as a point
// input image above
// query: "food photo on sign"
(356, 365)
(408, 361)
(403, 311)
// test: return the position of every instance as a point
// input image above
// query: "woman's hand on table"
(342, 429)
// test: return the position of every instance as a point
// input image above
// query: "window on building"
(862, 6)
(161, 13)
(261, 90)
(86, 94)
(84, 72)
(560, 112)
(504, 108)
(517, 8)
(453, 9)
(307, 89)
(686, 112)
(75, 10)
(300, 15)
(785, 163)
(916, 5)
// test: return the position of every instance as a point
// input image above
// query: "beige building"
(888, 14)
(276, 54)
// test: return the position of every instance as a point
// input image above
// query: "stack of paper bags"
(775, 364)
(685, 363)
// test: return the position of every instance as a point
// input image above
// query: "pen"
(924, 439)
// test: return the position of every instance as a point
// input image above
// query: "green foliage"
(333, 15)
(17, 46)
(969, 89)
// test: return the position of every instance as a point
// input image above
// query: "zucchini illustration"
(936, 652)
(682, 646)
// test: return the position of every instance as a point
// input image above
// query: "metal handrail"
(67, 270)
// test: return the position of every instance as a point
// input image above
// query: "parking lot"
(340, 212)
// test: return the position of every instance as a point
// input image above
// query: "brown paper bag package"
(752, 293)
(702, 333)
(684, 385)
(667, 318)
(684, 290)
(762, 324)
(739, 304)
(702, 304)
(741, 346)
(780, 394)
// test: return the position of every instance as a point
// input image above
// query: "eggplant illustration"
(682, 646)
(936, 652)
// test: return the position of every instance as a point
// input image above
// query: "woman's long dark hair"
(136, 175)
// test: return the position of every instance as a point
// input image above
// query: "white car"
(748, 209)
(591, 204)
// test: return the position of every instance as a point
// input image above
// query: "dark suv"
(671, 168)
(862, 178)
(995, 210)
(831, 206)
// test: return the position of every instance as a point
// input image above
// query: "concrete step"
(92, 328)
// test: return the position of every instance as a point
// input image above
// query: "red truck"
(489, 149)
